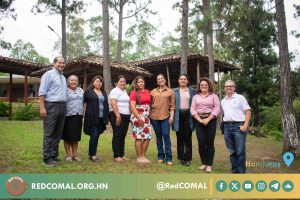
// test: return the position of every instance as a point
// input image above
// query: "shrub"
(4, 109)
(24, 113)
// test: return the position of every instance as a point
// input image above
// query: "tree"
(118, 6)
(77, 42)
(6, 10)
(22, 50)
(184, 37)
(64, 8)
(289, 125)
(105, 51)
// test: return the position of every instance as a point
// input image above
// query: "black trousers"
(206, 137)
(53, 129)
(184, 137)
(119, 133)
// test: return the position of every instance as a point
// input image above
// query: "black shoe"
(50, 163)
(182, 162)
(56, 160)
(187, 163)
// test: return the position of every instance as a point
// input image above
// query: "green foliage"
(128, 88)
(27, 51)
(24, 113)
(4, 109)
(53, 7)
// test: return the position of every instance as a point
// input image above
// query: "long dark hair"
(135, 87)
(91, 86)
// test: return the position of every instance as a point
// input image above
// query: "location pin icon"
(288, 158)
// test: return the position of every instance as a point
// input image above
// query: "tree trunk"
(209, 40)
(120, 32)
(184, 36)
(105, 51)
(63, 29)
(289, 125)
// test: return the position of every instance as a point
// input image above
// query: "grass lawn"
(21, 152)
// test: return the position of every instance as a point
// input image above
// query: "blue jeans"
(162, 132)
(236, 144)
(95, 132)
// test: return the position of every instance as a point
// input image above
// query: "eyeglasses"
(229, 86)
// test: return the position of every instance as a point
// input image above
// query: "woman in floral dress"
(140, 109)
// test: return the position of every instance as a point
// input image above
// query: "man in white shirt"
(237, 115)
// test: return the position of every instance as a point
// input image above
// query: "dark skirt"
(72, 128)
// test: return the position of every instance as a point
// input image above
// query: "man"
(237, 115)
(52, 97)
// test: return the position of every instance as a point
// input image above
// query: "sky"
(34, 28)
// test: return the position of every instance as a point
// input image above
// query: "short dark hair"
(210, 85)
(186, 76)
(56, 59)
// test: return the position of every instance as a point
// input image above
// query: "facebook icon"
(221, 186)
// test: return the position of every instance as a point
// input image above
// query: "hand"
(141, 122)
(43, 112)
(243, 128)
(171, 120)
(118, 120)
(205, 121)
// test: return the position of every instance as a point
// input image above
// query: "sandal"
(76, 158)
(202, 167)
(95, 159)
(119, 159)
(69, 159)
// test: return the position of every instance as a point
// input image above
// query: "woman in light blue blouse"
(73, 122)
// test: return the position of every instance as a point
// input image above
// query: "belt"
(204, 115)
(184, 110)
(233, 122)
(57, 102)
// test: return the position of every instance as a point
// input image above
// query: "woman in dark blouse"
(96, 114)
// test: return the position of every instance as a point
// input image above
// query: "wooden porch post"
(84, 78)
(231, 75)
(9, 93)
(198, 71)
(168, 76)
(219, 83)
(25, 90)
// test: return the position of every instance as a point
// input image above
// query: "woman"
(140, 108)
(73, 122)
(205, 108)
(96, 114)
(161, 114)
(183, 121)
(119, 118)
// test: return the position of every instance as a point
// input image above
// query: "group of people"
(63, 105)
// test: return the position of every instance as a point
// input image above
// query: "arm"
(193, 110)
(43, 111)
(247, 121)
(215, 111)
(114, 105)
(172, 107)
(136, 113)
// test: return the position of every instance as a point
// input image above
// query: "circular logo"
(261, 186)
(288, 186)
(274, 186)
(234, 186)
(221, 186)
(248, 186)
(16, 186)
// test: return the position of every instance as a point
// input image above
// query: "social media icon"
(234, 186)
(287, 186)
(288, 158)
(274, 186)
(261, 186)
(248, 186)
(221, 186)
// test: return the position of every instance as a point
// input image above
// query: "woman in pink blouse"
(205, 108)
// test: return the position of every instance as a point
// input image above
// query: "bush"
(4, 109)
(24, 113)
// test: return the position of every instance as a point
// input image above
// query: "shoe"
(209, 169)
(124, 158)
(146, 160)
(56, 160)
(69, 159)
(187, 163)
(49, 163)
(202, 167)
(95, 159)
(76, 158)
(119, 159)
(169, 163)
(183, 162)
(160, 161)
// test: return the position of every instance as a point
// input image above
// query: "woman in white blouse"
(73, 121)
